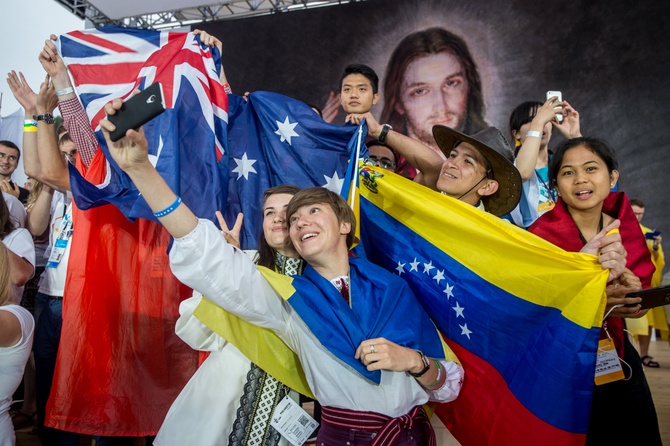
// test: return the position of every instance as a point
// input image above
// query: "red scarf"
(558, 227)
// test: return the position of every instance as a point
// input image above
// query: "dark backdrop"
(609, 58)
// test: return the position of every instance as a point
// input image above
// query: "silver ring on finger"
(372, 348)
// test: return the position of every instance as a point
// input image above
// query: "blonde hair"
(5, 283)
(34, 193)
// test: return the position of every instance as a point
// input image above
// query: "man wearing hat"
(478, 169)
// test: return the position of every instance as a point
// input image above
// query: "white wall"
(24, 28)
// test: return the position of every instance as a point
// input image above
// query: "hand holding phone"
(137, 111)
(559, 96)
(652, 235)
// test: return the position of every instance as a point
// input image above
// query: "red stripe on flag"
(486, 399)
(95, 40)
(101, 74)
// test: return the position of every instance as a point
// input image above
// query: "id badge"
(608, 366)
(64, 235)
(292, 422)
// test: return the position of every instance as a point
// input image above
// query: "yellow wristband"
(29, 129)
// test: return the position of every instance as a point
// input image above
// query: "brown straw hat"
(495, 148)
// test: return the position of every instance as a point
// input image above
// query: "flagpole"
(352, 195)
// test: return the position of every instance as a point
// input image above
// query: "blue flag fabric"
(187, 142)
(274, 140)
(217, 152)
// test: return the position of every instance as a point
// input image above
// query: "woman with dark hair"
(583, 170)
(16, 340)
(531, 125)
(240, 397)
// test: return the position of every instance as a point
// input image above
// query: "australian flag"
(213, 156)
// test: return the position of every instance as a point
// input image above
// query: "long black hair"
(266, 254)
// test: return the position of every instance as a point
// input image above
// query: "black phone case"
(652, 297)
(137, 111)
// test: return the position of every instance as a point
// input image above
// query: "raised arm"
(75, 119)
(27, 98)
(526, 158)
(211, 41)
(419, 155)
(131, 154)
(200, 257)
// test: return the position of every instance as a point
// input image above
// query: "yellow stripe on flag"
(261, 345)
(499, 252)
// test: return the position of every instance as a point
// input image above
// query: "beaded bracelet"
(439, 375)
(169, 209)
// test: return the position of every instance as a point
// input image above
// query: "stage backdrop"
(611, 60)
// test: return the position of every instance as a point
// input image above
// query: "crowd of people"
(370, 354)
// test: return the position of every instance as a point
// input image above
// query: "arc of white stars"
(449, 291)
(465, 331)
(459, 311)
(285, 130)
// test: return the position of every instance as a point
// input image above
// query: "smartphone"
(652, 297)
(551, 94)
(651, 235)
(137, 111)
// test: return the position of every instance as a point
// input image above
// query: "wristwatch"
(48, 118)
(426, 365)
(385, 131)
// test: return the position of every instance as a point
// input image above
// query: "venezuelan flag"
(522, 315)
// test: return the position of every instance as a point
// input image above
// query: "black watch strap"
(426, 366)
(384, 133)
(46, 117)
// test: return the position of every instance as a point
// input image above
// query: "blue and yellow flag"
(522, 315)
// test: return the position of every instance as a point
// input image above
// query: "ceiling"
(166, 14)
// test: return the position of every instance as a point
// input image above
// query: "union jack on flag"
(187, 143)
(211, 161)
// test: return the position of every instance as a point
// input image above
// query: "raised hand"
(22, 92)
(232, 236)
(130, 151)
(47, 101)
(570, 127)
(332, 107)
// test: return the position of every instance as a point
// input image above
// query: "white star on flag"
(465, 331)
(334, 183)
(285, 130)
(245, 166)
(400, 268)
(439, 276)
(415, 265)
(459, 310)
(449, 291)
(427, 267)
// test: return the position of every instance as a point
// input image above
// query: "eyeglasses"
(11, 158)
(382, 162)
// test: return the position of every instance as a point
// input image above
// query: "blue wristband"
(169, 209)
